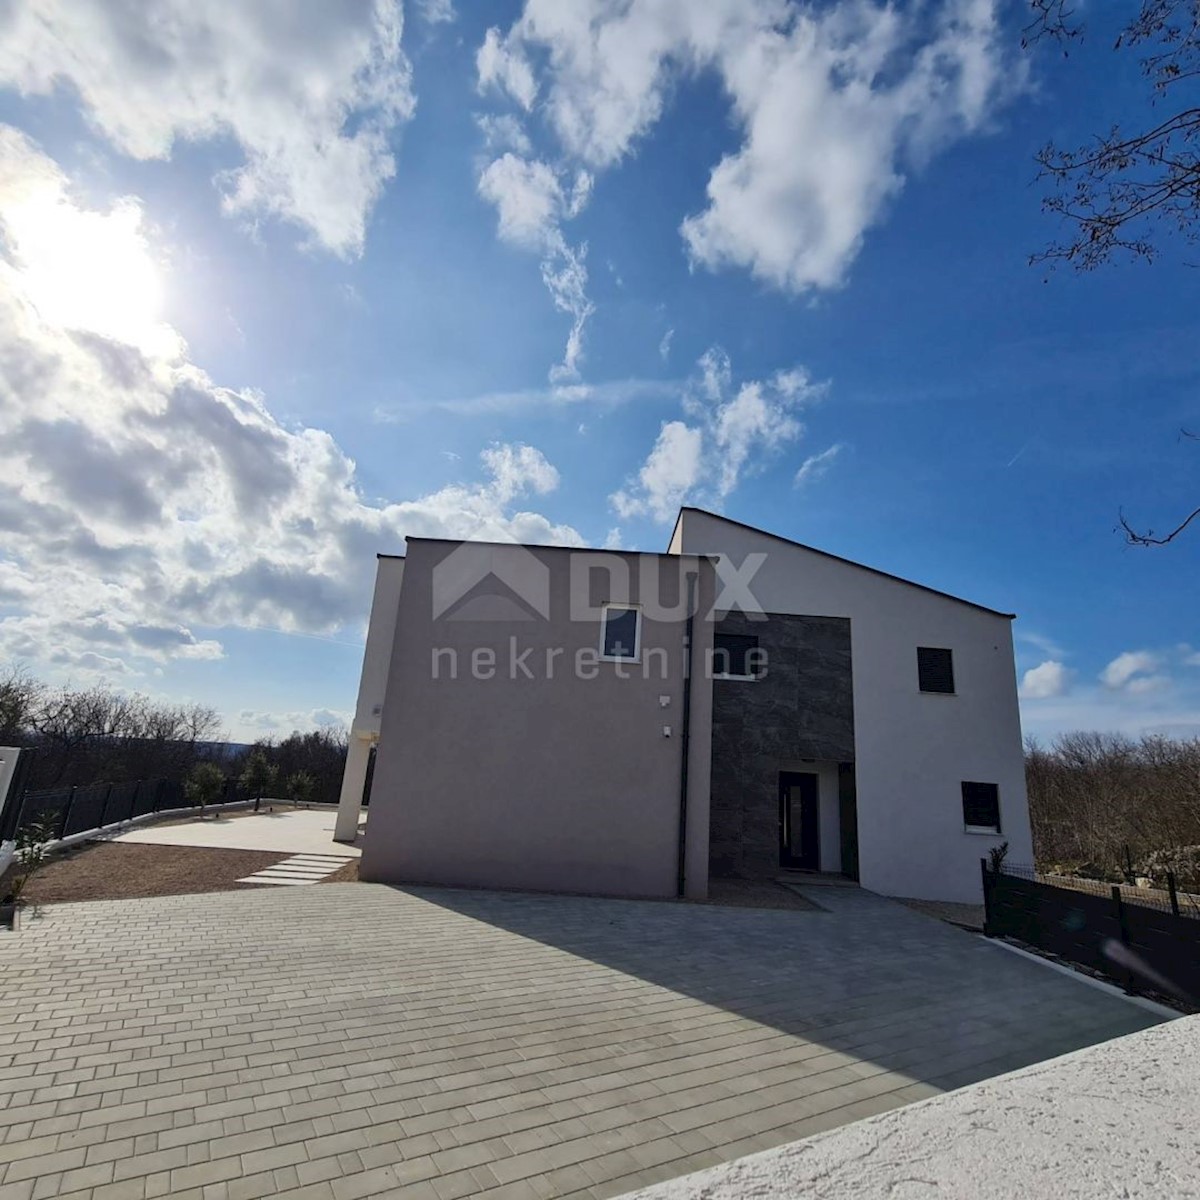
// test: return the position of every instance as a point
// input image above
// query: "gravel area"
(123, 871)
(968, 915)
(756, 893)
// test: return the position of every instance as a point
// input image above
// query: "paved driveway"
(355, 1040)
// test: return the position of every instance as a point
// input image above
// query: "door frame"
(812, 861)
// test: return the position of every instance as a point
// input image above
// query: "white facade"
(913, 749)
(372, 690)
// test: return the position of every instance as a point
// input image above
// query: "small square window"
(622, 632)
(935, 669)
(981, 806)
(735, 656)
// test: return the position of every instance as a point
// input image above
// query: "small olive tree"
(204, 785)
(300, 786)
(258, 776)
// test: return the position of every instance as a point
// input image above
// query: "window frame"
(953, 689)
(636, 609)
(991, 830)
(728, 675)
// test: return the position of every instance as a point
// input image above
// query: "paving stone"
(355, 1040)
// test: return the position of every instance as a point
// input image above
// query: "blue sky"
(545, 271)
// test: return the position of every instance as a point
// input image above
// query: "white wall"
(377, 654)
(912, 749)
(8, 768)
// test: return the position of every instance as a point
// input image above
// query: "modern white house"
(631, 724)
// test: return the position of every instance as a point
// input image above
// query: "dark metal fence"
(72, 810)
(1148, 943)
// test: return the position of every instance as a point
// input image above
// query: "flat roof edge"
(569, 549)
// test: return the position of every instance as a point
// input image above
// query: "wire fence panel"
(1143, 946)
(68, 811)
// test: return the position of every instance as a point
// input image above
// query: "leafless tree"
(20, 695)
(1097, 800)
(1117, 191)
(1113, 189)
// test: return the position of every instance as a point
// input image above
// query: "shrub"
(31, 854)
(204, 785)
(258, 776)
(299, 787)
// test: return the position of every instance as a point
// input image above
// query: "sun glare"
(88, 270)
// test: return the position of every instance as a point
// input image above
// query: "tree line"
(79, 736)
(1114, 807)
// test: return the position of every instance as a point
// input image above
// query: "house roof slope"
(838, 558)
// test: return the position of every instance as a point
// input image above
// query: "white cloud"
(436, 12)
(730, 430)
(834, 105)
(500, 66)
(1134, 670)
(1045, 681)
(813, 467)
(664, 347)
(251, 724)
(142, 504)
(310, 95)
(502, 131)
(670, 472)
(1048, 646)
(531, 202)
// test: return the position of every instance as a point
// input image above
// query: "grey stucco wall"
(802, 709)
(559, 783)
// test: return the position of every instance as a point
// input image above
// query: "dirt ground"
(126, 870)
(129, 870)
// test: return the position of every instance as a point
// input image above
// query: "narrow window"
(735, 656)
(622, 632)
(935, 669)
(981, 807)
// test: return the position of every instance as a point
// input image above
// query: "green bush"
(204, 785)
(299, 787)
(258, 776)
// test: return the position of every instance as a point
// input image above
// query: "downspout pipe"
(685, 736)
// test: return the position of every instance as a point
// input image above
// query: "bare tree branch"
(1111, 191)
(1134, 538)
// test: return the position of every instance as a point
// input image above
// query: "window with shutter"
(981, 806)
(935, 669)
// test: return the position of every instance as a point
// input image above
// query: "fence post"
(1119, 911)
(1173, 893)
(62, 828)
(987, 895)
(104, 806)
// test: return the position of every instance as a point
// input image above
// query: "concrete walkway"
(356, 1040)
(290, 831)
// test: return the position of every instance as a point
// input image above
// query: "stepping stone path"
(299, 869)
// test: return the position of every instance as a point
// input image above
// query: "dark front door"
(798, 837)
